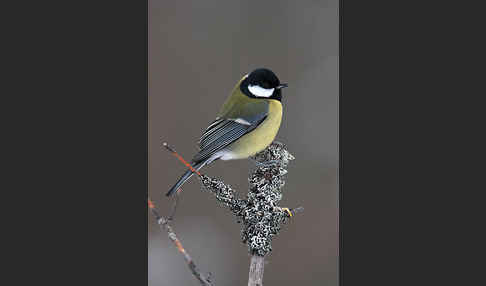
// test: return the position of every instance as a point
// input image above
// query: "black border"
(81, 139)
(407, 135)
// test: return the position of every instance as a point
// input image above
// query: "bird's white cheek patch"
(259, 91)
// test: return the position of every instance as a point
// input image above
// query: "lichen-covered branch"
(164, 225)
(261, 216)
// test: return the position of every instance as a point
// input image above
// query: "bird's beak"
(283, 85)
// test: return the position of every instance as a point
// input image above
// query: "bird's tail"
(188, 174)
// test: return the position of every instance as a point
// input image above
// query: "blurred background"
(198, 50)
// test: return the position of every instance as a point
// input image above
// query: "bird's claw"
(286, 210)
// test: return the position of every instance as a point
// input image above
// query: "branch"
(164, 225)
(261, 216)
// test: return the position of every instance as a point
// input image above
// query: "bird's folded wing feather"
(228, 128)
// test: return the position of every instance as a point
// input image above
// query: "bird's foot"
(286, 210)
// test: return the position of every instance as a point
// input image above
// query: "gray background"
(198, 50)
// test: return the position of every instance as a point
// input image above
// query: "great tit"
(246, 124)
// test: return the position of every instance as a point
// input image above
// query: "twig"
(164, 225)
(174, 152)
(180, 158)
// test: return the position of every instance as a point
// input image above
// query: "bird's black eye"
(265, 85)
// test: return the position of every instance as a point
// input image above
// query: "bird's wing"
(227, 129)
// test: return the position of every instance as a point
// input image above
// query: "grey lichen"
(261, 216)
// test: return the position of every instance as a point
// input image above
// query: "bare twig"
(174, 152)
(164, 225)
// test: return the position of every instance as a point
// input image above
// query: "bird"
(246, 124)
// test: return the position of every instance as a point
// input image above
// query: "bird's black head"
(262, 83)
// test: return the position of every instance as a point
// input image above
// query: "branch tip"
(174, 152)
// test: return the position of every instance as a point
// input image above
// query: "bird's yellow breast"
(259, 138)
